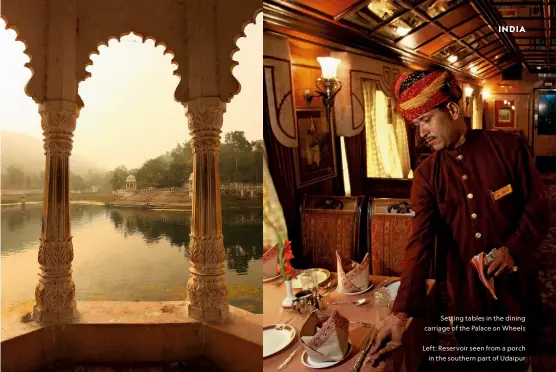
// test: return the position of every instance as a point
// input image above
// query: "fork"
(287, 361)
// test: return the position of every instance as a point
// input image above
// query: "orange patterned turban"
(419, 92)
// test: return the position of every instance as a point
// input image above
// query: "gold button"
(460, 157)
(464, 177)
(478, 235)
(473, 215)
(469, 196)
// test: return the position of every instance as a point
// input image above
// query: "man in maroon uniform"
(479, 190)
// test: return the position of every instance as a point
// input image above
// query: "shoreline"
(152, 207)
(160, 201)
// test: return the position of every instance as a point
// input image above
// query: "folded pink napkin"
(479, 263)
(325, 338)
(353, 277)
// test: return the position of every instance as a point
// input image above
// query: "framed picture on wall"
(315, 157)
(505, 115)
(504, 112)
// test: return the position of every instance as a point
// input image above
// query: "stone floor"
(196, 365)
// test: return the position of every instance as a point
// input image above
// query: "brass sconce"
(327, 85)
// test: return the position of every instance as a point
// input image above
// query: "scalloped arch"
(26, 51)
(166, 25)
(235, 49)
(84, 74)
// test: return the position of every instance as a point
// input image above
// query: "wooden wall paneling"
(304, 77)
(304, 53)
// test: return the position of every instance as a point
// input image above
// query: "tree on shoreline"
(240, 161)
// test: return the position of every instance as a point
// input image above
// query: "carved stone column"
(55, 293)
(206, 289)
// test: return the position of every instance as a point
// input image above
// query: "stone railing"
(237, 189)
(242, 190)
(154, 189)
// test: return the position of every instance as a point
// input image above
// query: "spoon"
(355, 303)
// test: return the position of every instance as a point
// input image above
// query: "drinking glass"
(309, 280)
(382, 304)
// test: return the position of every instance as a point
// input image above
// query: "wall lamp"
(485, 94)
(327, 85)
(468, 94)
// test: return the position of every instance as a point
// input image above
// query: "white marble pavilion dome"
(130, 178)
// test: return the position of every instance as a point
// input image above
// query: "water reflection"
(21, 226)
(242, 232)
(130, 254)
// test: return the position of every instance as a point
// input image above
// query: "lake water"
(124, 254)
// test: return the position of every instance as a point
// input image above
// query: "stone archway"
(202, 35)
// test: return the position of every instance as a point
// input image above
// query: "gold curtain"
(403, 144)
(475, 124)
(383, 156)
(274, 223)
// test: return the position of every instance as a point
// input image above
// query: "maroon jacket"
(451, 197)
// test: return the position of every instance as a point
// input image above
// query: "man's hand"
(391, 332)
(502, 264)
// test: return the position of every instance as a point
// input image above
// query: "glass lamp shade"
(468, 91)
(329, 66)
(486, 94)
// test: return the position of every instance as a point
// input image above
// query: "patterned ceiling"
(459, 34)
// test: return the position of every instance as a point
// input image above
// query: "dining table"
(364, 321)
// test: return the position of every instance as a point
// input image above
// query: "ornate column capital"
(58, 116)
(58, 121)
(205, 115)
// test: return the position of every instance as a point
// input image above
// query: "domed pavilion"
(131, 183)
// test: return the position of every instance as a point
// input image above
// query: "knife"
(361, 359)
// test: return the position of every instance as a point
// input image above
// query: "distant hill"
(28, 153)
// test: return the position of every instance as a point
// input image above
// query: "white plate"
(355, 293)
(276, 339)
(270, 279)
(322, 276)
(393, 288)
(309, 363)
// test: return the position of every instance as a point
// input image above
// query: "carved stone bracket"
(206, 289)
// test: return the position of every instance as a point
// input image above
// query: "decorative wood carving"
(279, 87)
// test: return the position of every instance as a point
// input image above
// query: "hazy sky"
(130, 114)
